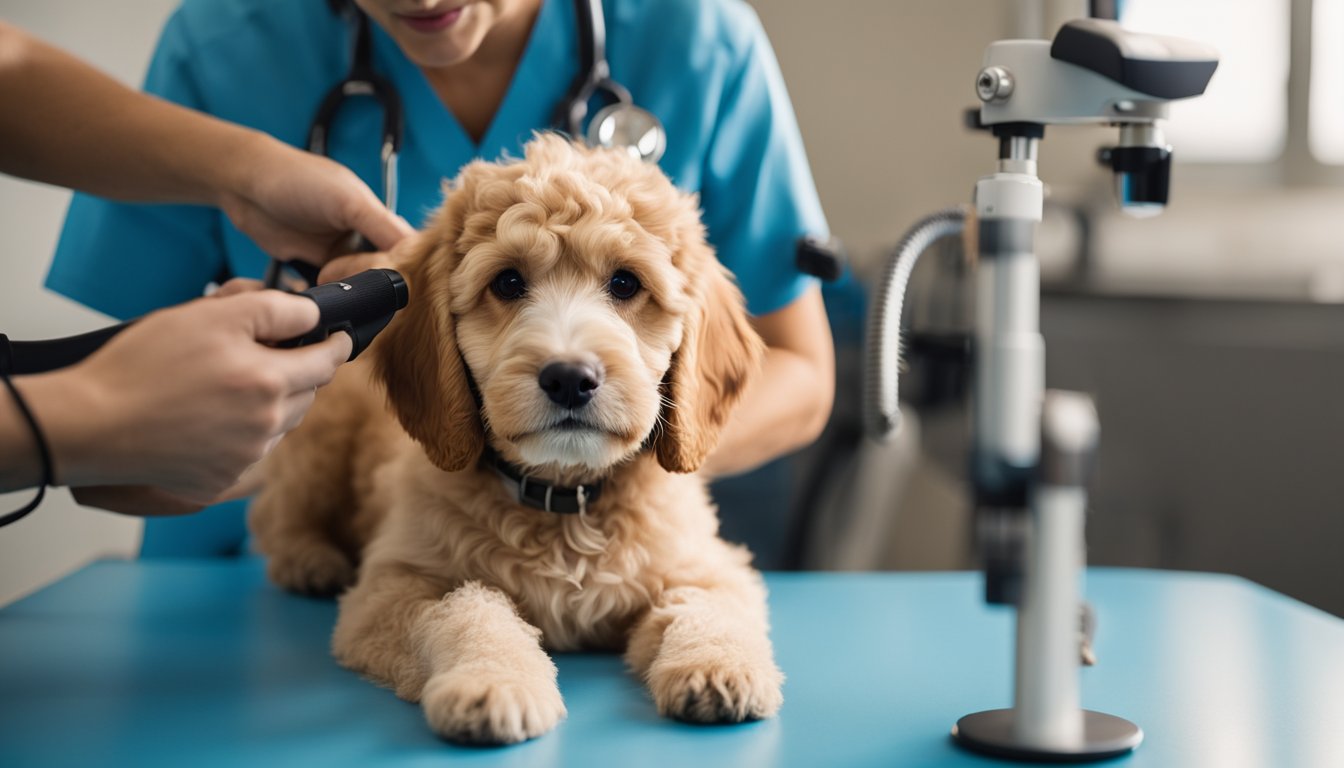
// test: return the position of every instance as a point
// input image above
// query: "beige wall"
(880, 88)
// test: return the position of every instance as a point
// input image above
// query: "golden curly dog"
(568, 320)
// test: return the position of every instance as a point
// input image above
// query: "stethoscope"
(619, 124)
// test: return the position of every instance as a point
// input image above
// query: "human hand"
(236, 286)
(342, 267)
(297, 205)
(138, 500)
(185, 400)
(148, 501)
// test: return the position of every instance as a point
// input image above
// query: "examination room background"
(1212, 336)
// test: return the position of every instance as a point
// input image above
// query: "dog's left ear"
(719, 354)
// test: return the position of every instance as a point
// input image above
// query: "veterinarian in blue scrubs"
(703, 67)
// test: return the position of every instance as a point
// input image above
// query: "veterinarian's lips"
(432, 21)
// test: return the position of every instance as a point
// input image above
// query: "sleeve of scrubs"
(757, 190)
(126, 259)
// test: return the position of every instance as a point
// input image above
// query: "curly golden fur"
(454, 587)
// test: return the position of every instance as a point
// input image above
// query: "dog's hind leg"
(476, 667)
(302, 518)
(294, 525)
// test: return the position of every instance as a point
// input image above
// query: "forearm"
(784, 409)
(70, 125)
(786, 405)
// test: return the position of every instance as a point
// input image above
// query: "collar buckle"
(539, 494)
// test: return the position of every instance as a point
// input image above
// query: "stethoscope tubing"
(594, 78)
(362, 80)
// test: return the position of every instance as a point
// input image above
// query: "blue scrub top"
(704, 67)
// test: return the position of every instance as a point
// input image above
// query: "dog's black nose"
(569, 384)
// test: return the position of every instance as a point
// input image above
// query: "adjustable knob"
(820, 257)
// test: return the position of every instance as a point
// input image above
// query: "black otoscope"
(361, 305)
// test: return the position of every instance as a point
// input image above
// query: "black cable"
(42, 451)
(18, 358)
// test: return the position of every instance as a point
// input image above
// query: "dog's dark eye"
(508, 285)
(623, 285)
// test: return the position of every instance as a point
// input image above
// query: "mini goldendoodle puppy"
(571, 350)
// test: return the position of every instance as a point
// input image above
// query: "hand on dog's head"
(523, 328)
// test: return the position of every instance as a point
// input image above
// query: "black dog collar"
(563, 500)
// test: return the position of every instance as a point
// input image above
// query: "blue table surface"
(204, 663)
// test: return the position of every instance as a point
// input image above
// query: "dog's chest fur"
(583, 580)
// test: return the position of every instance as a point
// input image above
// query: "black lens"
(1142, 175)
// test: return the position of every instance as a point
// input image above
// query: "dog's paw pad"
(314, 570)
(474, 708)
(721, 692)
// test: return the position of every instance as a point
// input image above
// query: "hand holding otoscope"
(156, 444)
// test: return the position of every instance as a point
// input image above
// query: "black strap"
(361, 80)
(19, 358)
(538, 494)
(43, 452)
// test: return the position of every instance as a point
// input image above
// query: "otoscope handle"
(361, 305)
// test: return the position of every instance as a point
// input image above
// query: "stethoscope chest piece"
(624, 125)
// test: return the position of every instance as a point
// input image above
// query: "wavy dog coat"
(454, 588)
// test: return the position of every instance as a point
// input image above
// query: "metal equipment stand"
(1032, 450)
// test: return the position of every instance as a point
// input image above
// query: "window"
(1243, 116)
(1325, 126)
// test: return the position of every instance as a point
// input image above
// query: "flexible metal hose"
(881, 406)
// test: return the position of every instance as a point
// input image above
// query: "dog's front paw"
(493, 707)
(317, 569)
(716, 687)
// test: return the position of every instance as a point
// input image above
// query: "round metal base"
(991, 733)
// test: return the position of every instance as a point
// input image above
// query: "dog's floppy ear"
(417, 357)
(719, 353)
